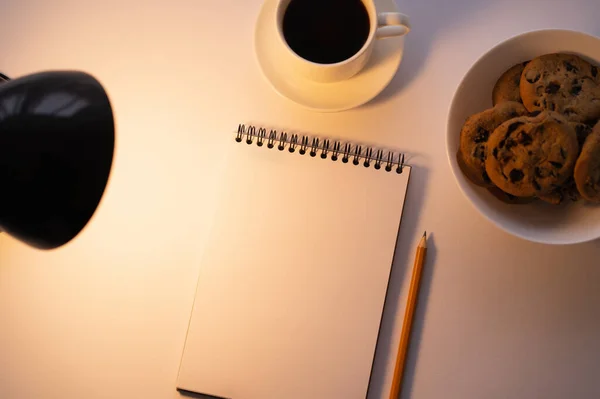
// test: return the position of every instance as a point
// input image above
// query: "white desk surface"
(106, 316)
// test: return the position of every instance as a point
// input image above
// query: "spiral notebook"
(293, 280)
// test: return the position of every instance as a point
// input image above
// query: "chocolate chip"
(532, 76)
(573, 196)
(501, 143)
(512, 127)
(570, 67)
(557, 165)
(551, 106)
(594, 71)
(538, 172)
(482, 135)
(495, 153)
(544, 103)
(525, 139)
(563, 153)
(541, 172)
(516, 175)
(536, 185)
(552, 88)
(535, 113)
(575, 90)
(539, 90)
(510, 143)
(479, 152)
(486, 178)
(589, 183)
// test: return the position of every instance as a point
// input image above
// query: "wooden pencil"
(411, 303)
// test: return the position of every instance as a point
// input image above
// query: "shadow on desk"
(193, 395)
(429, 19)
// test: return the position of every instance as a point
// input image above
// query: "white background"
(106, 315)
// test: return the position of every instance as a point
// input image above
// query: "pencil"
(411, 303)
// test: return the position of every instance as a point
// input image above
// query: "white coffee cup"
(382, 25)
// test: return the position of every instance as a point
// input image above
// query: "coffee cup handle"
(390, 24)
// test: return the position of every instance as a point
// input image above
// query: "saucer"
(327, 97)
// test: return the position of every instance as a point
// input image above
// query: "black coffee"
(326, 31)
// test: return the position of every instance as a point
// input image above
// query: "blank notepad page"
(294, 277)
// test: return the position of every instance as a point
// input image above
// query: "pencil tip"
(425, 234)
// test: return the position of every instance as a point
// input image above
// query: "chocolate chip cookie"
(568, 191)
(508, 198)
(587, 168)
(532, 156)
(475, 134)
(508, 87)
(564, 83)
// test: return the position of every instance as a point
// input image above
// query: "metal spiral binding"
(323, 147)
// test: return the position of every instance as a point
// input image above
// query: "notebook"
(293, 281)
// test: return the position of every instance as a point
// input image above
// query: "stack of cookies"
(541, 138)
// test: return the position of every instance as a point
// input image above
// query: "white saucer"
(327, 97)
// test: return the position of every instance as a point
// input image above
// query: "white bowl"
(539, 222)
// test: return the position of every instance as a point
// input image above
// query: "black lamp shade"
(57, 141)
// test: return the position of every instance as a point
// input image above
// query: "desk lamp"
(56, 149)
